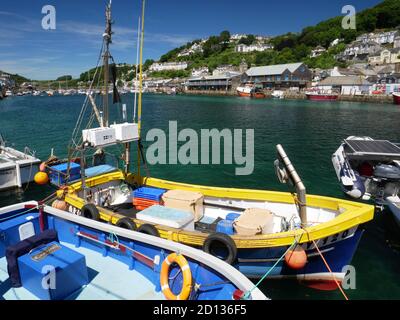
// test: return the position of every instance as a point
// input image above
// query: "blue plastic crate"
(232, 216)
(58, 172)
(225, 226)
(148, 193)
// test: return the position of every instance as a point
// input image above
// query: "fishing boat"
(48, 254)
(256, 231)
(249, 90)
(16, 168)
(396, 97)
(369, 169)
(277, 94)
(320, 95)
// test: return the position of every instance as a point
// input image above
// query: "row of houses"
(268, 77)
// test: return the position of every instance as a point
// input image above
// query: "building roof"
(344, 81)
(273, 70)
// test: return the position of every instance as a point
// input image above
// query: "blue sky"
(27, 49)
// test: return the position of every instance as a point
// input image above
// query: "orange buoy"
(42, 167)
(60, 204)
(41, 178)
(296, 258)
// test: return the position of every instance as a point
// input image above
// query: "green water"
(309, 131)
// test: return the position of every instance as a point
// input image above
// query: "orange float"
(41, 178)
(296, 259)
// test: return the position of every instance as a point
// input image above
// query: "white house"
(380, 37)
(317, 51)
(222, 69)
(360, 50)
(156, 66)
(253, 47)
(202, 71)
(386, 56)
(347, 85)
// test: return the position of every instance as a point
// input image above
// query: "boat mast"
(106, 57)
(140, 87)
(136, 72)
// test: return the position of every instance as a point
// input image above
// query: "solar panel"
(380, 148)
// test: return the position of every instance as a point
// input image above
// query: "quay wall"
(299, 96)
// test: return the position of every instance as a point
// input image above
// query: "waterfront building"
(157, 66)
(228, 81)
(346, 85)
(280, 76)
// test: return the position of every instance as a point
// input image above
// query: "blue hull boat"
(49, 254)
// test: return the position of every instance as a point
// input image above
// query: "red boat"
(396, 97)
(319, 96)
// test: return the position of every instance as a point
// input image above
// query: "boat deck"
(103, 282)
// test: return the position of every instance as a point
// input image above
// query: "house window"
(278, 78)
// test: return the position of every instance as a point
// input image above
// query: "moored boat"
(396, 98)
(321, 96)
(16, 168)
(80, 259)
(253, 230)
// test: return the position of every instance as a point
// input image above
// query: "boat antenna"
(106, 56)
(137, 71)
(140, 87)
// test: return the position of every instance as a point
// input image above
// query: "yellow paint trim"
(352, 213)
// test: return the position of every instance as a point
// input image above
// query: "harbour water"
(309, 131)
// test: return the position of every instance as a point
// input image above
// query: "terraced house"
(280, 76)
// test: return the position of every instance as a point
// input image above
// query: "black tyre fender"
(126, 223)
(224, 240)
(149, 229)
(91, 212)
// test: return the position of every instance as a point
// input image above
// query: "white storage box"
(126, 132)
(167, 217)
(98, 137)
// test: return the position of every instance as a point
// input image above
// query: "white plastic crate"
(126, 132)
(98, 137)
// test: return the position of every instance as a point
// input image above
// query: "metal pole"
(300, 188)
(136, 72)
(106, 57)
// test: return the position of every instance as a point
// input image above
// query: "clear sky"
(27, 49)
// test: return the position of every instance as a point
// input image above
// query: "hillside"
(291, 47)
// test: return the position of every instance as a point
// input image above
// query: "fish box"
(16, 229)
(253, 222)
(58, 173)
(126, 132)
(186, 201)
(98, 137)
(52, 271)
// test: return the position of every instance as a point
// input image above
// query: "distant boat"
(277, 94)
(16, 167)
(50, 93)
(9, 93)
(321, 96)
(396, 97)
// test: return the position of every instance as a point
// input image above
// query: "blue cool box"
(70, 271)
(225, 226)
(57, 175)
(10, 233)
(148, 193)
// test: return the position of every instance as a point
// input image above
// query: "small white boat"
(277, 94)
(9, 93)
(16, 167)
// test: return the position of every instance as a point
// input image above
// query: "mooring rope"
(330, 270)
(248, 293)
